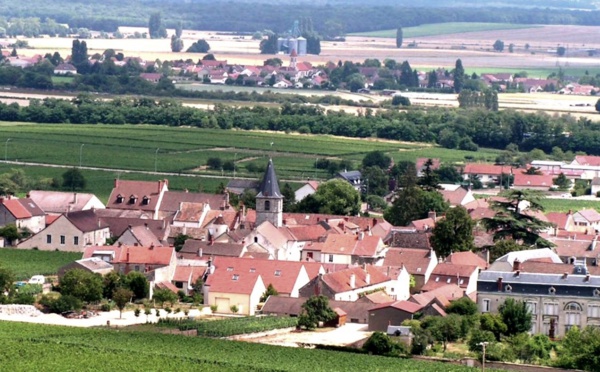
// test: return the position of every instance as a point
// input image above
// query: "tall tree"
(413, 203)
(81, 284)
(335, 196)
(156, 30)
(377, 159)
(498, 45)
(73, 179)
(122, 296)
(512, 221)
(176, 44)
(598, 105)
(399, 37)
(179, 29)
(454, 233)
(516, 316)
(459, 76)
(79, 56)
(316, 309)
(289, 197)
(430, 180)
(269, 45)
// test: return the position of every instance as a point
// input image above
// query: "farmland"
(231, 326)
(443, 29)
(186, 150)
(27, 347)
(26, 263)
(565, 205)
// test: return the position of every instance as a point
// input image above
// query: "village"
(374, 274)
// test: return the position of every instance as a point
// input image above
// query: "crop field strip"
(32, 346)
(443, 29)
(26, 263)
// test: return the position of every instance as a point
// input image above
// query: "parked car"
(37, 279)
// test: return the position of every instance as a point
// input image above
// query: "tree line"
(491, 129)
(207, 15)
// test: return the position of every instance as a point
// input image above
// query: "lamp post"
(6, 150)
(483, 345)
(81, 153)
(156, 158)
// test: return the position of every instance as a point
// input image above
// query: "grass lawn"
(62, 79)
(565, 205)
(442, 29)
(100, 183)
(26, 263)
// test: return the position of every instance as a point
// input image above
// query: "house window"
(552, 291)
(120, 198)
(550, 308)
(277, 272)
(267, 205)
(62, 240)
(132, 199)
(230, 268)
(573, 315)
(256, 239)
(508, 288)
(235, 277)
(145, 200)
(252, 270)
(136, 268)
(75, 240)
(309, 255)
(437, 279)
(593, 311)
(48, 239)
(330, 258)
(179, 284)
(485, 306)
(596, 292)
(448, 280)
(532, 307)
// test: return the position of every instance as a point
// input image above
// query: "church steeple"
(269, 201)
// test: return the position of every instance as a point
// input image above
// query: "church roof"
(269, 186)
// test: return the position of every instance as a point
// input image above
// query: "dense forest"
(239, 16)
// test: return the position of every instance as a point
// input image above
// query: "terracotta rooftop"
(408, 239)
(141, 195)
(85, 221)
(172, 200)
(125, 254)
(532, 180)
(415, 261)
(409, 307)
(58, 201)
(339, 281)
(487, 169)
(197, 249)
(21, 208)
(466, 258)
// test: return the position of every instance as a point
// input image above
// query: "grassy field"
(565, 205)
(101, 183)
(34, 347)
(442, 29)
(62, 79)
(26, 263)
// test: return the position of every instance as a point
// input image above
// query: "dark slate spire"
(269, 186)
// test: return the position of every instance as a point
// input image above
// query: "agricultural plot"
(231, 326)
(178, 150)
(443, 29)
(100, 183)
(31, 347)
(565, 205)
(26, 263)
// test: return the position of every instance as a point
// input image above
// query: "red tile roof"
(307, 233)
(488, 169)
(125, 254)
(339, 281)
(466, 258)
(22, 208)
(282, 274)
(454, 197)
(414, 260)
(409, 307)
(532, 180)
(588, 160)
(188, 273)
(559, 219)
(136, 190)
(420, 163)
(313, 218)
(351, 245)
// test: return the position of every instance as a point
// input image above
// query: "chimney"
(565, 275)
(2, 200)
(368, 278)
(318, 219)
(361, 235)
(227, 199)
(374, 221)
(517, 273)
(136, 244)
(284, 221)
(128, 255)
(594, 242)
(352, 281)
(75, 198)
(499, 284)
(432, 215)
(587, 278)
(28, 195)
(199, 252)
(116, 182)
(186, 191)
(516, 265)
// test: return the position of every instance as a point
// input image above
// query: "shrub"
(106, 307)
(234, 309)
(213, 308)
(65, 303)
(137, 313)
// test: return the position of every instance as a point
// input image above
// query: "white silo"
(301, 46)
